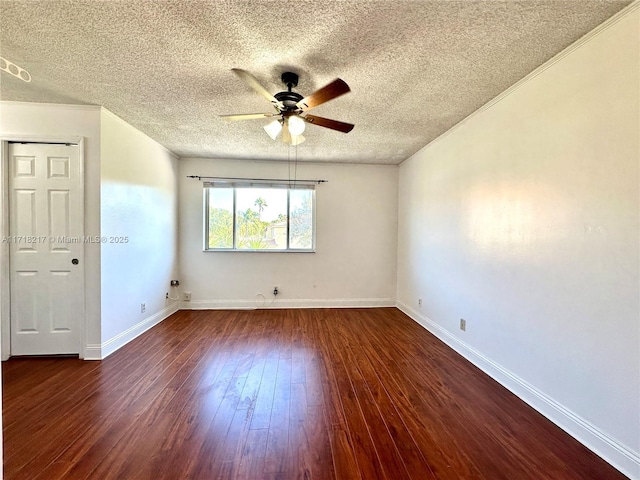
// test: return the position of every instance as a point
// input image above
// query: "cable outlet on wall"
(187, 296)
(463, 325)
(143, 307)
(175, 283)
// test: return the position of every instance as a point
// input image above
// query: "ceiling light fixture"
(273, 128)
(296, 125)
(297, 139)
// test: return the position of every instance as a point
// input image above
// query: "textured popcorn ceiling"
(415, 68)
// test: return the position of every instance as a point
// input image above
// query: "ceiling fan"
(291, 107)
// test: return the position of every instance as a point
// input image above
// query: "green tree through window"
(259, 218)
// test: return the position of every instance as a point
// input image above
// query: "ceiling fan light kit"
(273, 129)
(296, 125)
(290, 107)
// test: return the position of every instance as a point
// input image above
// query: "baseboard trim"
(102, 351)
(288, 303)
(615, 453)
(92, 351)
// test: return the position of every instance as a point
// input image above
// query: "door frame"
(5, 271)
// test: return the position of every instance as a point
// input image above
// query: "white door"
(46, 248)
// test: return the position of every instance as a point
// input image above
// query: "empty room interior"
(320, 240)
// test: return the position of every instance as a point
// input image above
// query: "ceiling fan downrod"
(290, 79)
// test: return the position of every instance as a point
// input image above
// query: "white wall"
(354, 262)
(61, 122)
(524, 220)
(139, 222)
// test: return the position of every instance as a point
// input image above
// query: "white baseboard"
(102, 351)
(92, 351)
(253, 304)
(617, 454)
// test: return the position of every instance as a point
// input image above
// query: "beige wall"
(355, 260)
(524, 220)
(139, 221)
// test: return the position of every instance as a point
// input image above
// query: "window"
(245, 216)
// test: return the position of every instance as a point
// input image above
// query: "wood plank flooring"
(278, 394)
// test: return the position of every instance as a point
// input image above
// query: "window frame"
(207, 186)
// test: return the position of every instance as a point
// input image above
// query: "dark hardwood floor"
(278, 394)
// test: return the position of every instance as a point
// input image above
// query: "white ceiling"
(415, 68)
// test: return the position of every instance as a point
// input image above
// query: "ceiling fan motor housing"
(289, 98)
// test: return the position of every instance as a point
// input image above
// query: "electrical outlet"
(463, 325)
(166, 295)
(420, 302)
(275, 291)
(187, 296)
(143, 307)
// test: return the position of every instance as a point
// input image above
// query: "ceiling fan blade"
(257, 87)
(328, 92)
(247, 116)
(328, 123)
(286, 135)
